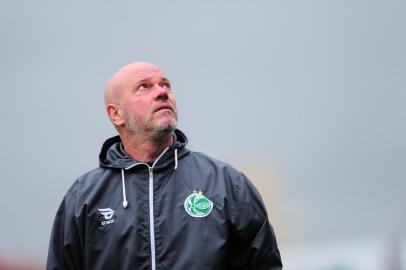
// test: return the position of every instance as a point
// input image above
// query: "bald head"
(138, 98)
(125, 78)
(141, 106)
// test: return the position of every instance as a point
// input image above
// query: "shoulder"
(88, 181)
(209, 162)
(92, 175)
(237, 179)
(232, 177)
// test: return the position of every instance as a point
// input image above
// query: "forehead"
(146, 73)
(139, 73)
(129, 76)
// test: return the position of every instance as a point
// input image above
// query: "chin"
(166, 126)
(163, 130)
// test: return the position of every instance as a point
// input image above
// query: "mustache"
(164, 105)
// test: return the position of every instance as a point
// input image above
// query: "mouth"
(164, 107)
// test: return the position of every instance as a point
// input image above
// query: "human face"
(148, 104)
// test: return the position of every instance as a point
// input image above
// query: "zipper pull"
(150, 170)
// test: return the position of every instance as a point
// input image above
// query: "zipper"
(151, 217)
(151, 205)
(151, 210)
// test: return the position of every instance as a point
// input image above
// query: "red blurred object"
(6, 264)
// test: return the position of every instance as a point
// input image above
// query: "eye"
(166, 85)
(142, 86)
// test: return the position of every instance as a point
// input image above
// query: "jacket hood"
(113, 155)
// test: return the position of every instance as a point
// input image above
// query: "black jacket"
(205, 215)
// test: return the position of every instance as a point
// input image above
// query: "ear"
(115, 113)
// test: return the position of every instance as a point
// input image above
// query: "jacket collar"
(112, 154)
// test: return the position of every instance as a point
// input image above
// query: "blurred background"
(306, 97)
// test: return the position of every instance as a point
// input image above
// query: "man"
(152, 203)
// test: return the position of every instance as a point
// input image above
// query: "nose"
(162, 93)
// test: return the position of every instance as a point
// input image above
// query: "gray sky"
(310, 91)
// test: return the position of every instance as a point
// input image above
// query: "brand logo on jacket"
(197, 205)
(107, 213)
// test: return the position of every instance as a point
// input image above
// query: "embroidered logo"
(107, 214)
(197, 205)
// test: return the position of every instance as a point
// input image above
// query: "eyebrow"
(148, 78)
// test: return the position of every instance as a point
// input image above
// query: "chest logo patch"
(197, 205)
(107, 214)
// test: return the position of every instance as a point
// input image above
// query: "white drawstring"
(176, 159)
(125, 202)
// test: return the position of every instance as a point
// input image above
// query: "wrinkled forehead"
(131, 74)
(137, 72)
(128, 77)
(146, 73)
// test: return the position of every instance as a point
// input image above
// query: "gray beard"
(159, 132)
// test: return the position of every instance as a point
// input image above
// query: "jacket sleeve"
(65, 249)
(253, 241)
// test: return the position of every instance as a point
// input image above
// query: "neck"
(144, 148)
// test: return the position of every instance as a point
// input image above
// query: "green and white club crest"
(197, 205)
